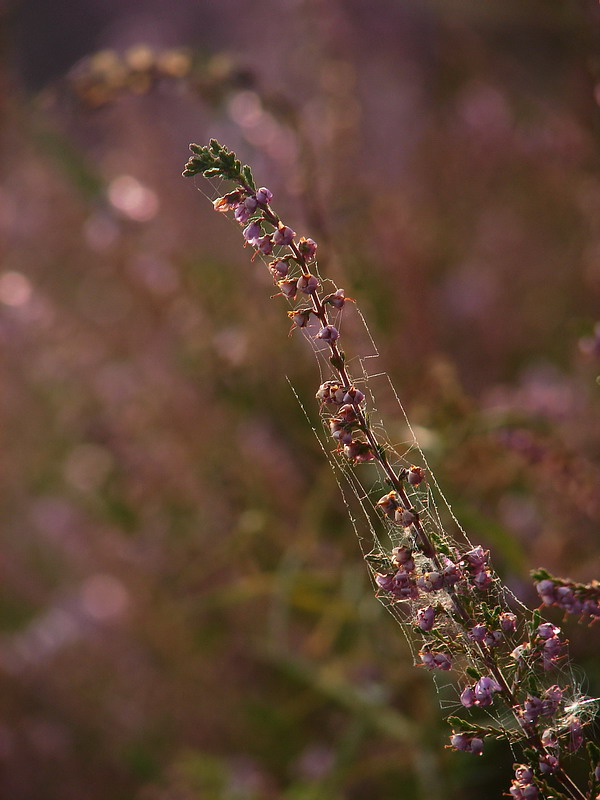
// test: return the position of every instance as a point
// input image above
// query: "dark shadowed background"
(184, 611)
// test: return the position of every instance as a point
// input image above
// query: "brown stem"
(423, 542)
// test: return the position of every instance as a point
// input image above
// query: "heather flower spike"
(446, 591)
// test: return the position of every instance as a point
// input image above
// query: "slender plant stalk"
(449, 593)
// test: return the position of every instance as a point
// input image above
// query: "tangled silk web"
(377, 536)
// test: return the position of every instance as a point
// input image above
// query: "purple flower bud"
(546, 630)
(385, 582)
(359, 452)
(551, 701)
(508, 622)
(403, 556)
(252, 232)
(426, 618)
(328, 334)
(283, 236)
(475, 746)
(552, 647)
(467, 697)
(597, 773)
(532, 708)
(337, 299)
(354, 396)
(279, 268)
(430, 582)
(575, 729)
(388, 503)
(251, 203)
(263, 195)
(523, 774)
(468, 744)
(308, 284)
(242, 214)
(477, 633)
(308, 248)
(545, 589)
(548, 764)
(476, 558)
(484, 690)
(415, 475)
(407, 517)
(530, 792)
(452, 573)
(482, 579)
(493, 638)
(442, 661)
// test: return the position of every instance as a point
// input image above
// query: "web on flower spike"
(512, 668)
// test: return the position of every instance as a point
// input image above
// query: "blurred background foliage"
(184, 612)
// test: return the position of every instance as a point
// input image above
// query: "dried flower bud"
(508, 622)
(308, 284)
(283, 236)
(521, 652)
(388, 504)
(549, 738)
(406, 517)
(331, 392)
(252, 232)
(348, 413)
(288, 288)
(354, 396)
(300, 317)
(228, 201)
(415, 475)
(263, 195)
(337, 299)
(264, 244)
(308, 248)
(329, 334)
(359, 452)
(340, 430)
(426, 618)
